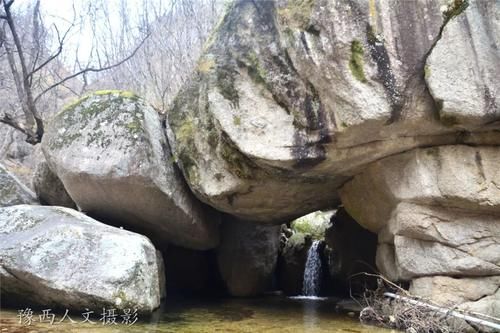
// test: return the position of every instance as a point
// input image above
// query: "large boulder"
(292, 98)
(247, 256)
(436, 212)
(110, 152)
(12, 191)
(462, 69)
(48, 187)
(55, 256)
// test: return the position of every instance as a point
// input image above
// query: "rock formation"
(388, 107)
(291, 99)
(55, 256)
(247, 256)
(12, 191)
(111, 154)
(436, 212)
(48, 187)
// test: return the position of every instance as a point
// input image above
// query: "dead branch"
(92, 69)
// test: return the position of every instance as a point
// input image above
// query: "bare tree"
(178, 30)
(26, 70)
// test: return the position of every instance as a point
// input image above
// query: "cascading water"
(312, 272)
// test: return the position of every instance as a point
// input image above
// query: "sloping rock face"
(463, 68)
(247, 256)
(12, 191)
(110, 151)
(55, 256)
(436, 212)
(48, 187)
(292, 98)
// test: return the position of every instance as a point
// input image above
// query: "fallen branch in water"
(450, 312)
(397, 313)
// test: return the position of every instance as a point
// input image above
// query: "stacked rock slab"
(247, 256)
(110, 152)
(292, 98)
(437, 215)
(12, 191)
(55, 256)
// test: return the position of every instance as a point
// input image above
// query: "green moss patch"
(455, 8)
(314, 224)
(101, 107)
(356, 61)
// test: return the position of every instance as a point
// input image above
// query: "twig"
(446, 311)
(92, 69)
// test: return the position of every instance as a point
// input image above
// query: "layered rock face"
(437, 213)
(247, 256)
(111, 154)
(55, 256)
(12, 191)
(292, 98)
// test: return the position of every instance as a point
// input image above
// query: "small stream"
(265, 314)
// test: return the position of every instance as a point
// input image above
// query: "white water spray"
(312, 272)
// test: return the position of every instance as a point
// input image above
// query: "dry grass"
(398, 314)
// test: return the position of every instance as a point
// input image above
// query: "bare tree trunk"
(27, 101)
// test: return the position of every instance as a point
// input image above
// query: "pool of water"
(268, 314)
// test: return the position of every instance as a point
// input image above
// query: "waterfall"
(312, 271)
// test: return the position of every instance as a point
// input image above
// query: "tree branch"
(55, 55)
(9, 120)
(7, 4)
(92, 69)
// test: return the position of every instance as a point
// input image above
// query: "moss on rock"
(455, 8)
(121, 109)
(314, 224)
(356, 62)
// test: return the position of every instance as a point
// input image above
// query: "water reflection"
(310, 313)
(269, 314)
